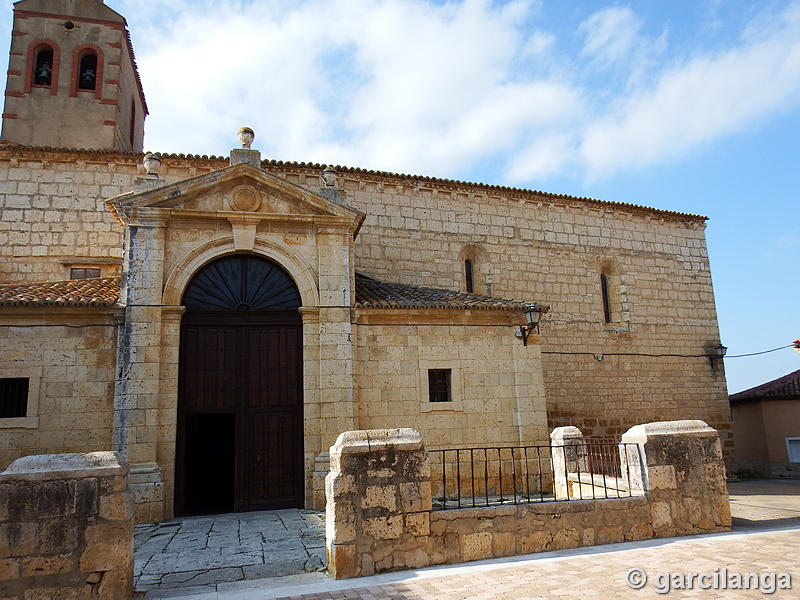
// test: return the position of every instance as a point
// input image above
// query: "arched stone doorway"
(240, 399)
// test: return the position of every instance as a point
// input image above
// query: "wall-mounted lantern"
(533, 315)
(715, 353)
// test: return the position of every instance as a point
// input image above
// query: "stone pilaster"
(137, 382)
(379, 502)
(569, 455)
(335, 335)
(679, 465)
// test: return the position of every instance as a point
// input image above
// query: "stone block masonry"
(379, 515)
(66, 528)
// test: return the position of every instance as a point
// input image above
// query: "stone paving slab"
(216, 550)
(595, 573)
(754, 501)
(202, 551)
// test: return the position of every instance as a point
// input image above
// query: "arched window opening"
(606, 302)
(43, 67)
(474, 264)
(87, 72)
(613, 295)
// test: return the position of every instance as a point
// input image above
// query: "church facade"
(220, 320)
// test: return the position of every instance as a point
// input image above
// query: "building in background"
(766, 426)
(220, 320)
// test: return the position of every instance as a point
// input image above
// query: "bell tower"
(72, 78)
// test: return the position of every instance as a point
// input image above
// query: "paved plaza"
(765, 539)
(198, 551)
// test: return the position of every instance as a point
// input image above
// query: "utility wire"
(763, 352)
(595, 354)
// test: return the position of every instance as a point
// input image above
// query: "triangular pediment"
(238, 189)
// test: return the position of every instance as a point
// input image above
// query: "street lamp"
(533, 315)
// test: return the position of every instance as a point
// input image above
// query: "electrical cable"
(757, 353)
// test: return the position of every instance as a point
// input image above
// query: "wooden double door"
(240, 412)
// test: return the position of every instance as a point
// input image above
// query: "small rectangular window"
(439, 385)
(82, 273)
(13, 397)
(793, 449)
(470, 287)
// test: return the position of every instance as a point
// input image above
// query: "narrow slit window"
(43, 67)
(83, 273)
(13, 397)
(439, 385)
(470, 287)
(87, 72)
(606, 304)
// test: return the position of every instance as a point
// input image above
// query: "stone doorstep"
(226, 548)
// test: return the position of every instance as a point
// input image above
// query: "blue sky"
(691, 106)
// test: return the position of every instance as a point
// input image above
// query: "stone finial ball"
(246, 136)
(152, 163)
(329, 176)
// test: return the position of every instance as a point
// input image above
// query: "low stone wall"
(379, 514)
(66, 528)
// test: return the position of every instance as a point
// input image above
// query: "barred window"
(439, 385)
(13, 397)
(83, 273)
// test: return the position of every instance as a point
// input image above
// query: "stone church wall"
(496, 383)
(54, 215)
(71, 377)
(531, 246)
(647, 364)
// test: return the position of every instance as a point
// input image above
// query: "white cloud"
(542, 158)
(697, 102)
(539, 42)
(610, 34)
(409, 85)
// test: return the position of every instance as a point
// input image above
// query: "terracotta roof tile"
(371, 293)
(416, 179)
(100, 291)
(784, 387)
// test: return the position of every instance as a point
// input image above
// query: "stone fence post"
(569, 455)
(378, 502)
(679, 466)
(66, 528)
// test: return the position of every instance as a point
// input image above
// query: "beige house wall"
(69, 357)
(781, 420)
(748, 429)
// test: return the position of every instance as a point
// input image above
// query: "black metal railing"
(486, 476)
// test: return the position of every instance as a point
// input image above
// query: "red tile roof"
(100, 291)
(371, 293)
(787, 386)
(412, 178)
